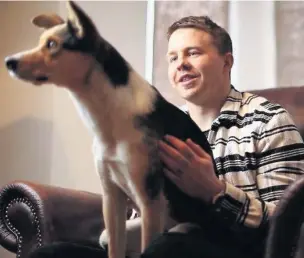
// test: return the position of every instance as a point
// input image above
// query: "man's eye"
(51, 44)
(172, 59)
(193, 53)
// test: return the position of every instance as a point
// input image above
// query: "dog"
(127, 117)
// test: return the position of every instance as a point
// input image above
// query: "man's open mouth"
(187, 77)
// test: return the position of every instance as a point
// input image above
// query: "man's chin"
(188, 93)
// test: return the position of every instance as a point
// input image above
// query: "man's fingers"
(197, 148)
(169, 149)
(172, 176)
(172, 155)
(181, 146)
(174, 141)
(168, 161)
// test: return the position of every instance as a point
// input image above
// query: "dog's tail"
(285, 225)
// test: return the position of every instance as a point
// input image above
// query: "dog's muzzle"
(42, 78)
(12, 64)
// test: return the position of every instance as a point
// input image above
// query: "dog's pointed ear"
(78, 21)
(47, 21)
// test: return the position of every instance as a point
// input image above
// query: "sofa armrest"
(32, 215)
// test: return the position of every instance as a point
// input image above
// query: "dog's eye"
(51, 44)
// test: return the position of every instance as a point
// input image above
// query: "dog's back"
(166, 119)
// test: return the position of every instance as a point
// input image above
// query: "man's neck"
(203, 117)
(204, 114)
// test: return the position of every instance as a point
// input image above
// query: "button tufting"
(15, 231)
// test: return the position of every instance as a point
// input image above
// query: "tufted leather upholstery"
(291, 98)
(34, 214)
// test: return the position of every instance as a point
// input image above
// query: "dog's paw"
(104, 240)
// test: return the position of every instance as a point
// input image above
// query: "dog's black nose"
(11, 64)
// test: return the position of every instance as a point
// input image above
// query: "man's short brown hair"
(222, 40)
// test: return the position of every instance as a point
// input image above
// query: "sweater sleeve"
(279, 162)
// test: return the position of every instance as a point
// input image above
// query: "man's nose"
(183, 64)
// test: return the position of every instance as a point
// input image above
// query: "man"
(256, 146)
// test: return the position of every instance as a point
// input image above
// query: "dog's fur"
(126, 115)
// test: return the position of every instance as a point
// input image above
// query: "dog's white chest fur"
(116, 161)
(109, 113)
(118, 172)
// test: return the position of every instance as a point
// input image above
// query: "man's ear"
(228, 60)
(47, 21)
(80, 24)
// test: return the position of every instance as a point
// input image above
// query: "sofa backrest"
(291, 98)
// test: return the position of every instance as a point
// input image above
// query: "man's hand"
(190, 168)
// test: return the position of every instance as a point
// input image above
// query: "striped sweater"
(258, 152)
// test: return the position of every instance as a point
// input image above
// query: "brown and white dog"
(126, 115)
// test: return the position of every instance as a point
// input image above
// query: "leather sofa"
(32, 215)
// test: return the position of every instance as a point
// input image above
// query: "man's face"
(195, 69)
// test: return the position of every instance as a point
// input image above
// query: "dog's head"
(64, 55)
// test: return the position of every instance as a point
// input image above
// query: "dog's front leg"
(153, 213)
(148, 185)
(114, 205)
(114, 213)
